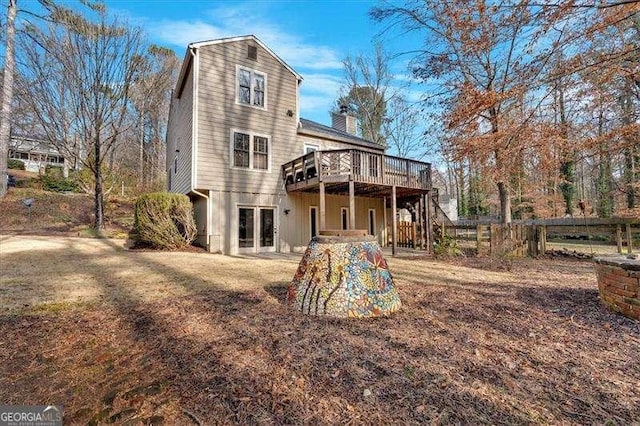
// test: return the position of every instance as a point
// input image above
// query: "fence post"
(619, 237)
(478, 237)
(492, 239)
(532, 241)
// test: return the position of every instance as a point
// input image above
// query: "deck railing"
(359, 166)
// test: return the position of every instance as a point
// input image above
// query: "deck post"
(619, 237)
(427, 219)
(629, 239)
(323, 214)
(421, 221)
(394, 218)
(352, 205)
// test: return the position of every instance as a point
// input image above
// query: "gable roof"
(242, 38)
(311, 128)
(186, 63)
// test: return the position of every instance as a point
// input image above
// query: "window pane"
(258, 90)
(245, 95)
(245, 78)
(244, 87)
(258, 98)
(260, 153)
(241, 150)
(266, 228)
(260, 145)
(259, 82)
(245, 228)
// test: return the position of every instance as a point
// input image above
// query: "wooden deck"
(373, 174)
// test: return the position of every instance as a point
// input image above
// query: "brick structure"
(619, 284)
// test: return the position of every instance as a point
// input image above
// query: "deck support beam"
(394, 218)
(427, 218)
(352, 205)
(323, 213)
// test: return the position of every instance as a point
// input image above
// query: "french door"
(256, 229)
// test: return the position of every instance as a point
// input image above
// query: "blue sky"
(313, 37)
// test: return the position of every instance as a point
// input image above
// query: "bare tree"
(151, 96)
(368, 90)
(401, 128)
(79, 77)
(7, 94)
(52, 13)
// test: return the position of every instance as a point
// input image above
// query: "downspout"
(194, 142)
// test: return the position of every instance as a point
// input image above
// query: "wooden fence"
(530, 237)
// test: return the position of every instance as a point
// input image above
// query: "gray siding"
(179, 137)
(218, 114)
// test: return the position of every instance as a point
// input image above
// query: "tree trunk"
(141, 153)
(630, 177)
(98, 197)
(567, 160)
(7, 94)
(604, 183)
(505, 202)
(463, 208)
(629, 174)
(503, 191)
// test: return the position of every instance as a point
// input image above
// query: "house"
(35, 153)
(262, 178)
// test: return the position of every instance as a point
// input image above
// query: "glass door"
(267, 229)
(246, 229)
(256, 229)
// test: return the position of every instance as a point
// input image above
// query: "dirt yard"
(186, 338)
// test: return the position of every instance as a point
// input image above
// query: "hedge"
(164, 221)
(15, 164)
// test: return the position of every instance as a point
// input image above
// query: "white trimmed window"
(309, 147)
(250, 151)
(251, 87)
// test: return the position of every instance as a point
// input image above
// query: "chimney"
(344, 121)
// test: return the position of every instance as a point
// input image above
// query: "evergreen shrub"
(164, 221)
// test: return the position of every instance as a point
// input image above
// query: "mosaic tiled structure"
(343, 277)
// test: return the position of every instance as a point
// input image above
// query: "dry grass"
(62, 214)
(151, 337)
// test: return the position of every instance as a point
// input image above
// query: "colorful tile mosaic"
(343, 279)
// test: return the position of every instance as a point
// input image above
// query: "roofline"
(186, 64)
(199, 44)
(339, 138)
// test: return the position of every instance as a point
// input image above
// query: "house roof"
(311, 128)
(246, 37)
(186, 64)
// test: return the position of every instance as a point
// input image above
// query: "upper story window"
(251, 87)
(250, 151)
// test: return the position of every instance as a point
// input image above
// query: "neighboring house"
(36, 154)
(260, 177)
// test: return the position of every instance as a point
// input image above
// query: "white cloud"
(232, 21)
(318, 94)
(181, 33)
